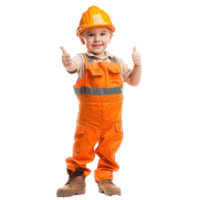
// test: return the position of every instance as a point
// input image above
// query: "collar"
(108, 54)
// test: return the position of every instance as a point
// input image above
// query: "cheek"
(106, 39)
(89, 41)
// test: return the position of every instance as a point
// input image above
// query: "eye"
(90, 35)
(103, 34)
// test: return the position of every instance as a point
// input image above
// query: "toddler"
(99, 89)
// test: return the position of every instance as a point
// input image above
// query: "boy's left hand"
(136, 57)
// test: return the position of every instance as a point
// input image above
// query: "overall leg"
(110, 141)
(106, 150)
(83, 148)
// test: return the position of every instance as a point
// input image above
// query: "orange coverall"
(100, 95)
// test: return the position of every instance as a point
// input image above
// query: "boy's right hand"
(66, 58)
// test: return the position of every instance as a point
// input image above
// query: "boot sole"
(72, 194)
(75, 194)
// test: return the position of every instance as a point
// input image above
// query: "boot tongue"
(78, 172)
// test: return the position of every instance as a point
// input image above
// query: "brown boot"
(108, 187)
(75, 184)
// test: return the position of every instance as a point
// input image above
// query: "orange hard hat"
(94, 16)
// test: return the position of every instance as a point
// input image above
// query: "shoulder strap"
(114, 59)
(87, 58)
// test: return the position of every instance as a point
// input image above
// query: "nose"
(97, 39)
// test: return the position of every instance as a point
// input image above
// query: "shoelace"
(68, 181)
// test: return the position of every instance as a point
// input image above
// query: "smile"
(99, 45)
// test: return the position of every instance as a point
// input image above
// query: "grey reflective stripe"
(90, 60)
(98, 91)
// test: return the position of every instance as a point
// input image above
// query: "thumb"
(63, 49)
(134, 48)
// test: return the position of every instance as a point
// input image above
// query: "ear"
(111, 38)
(81, 41)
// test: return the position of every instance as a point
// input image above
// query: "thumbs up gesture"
(136, 57)
(66, 58)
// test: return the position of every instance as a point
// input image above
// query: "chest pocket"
(95, 76)
(114, 75)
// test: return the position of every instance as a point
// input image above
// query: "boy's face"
(96, 39)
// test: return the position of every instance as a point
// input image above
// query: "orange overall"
(100, 95)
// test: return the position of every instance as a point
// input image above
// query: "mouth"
(97, 45)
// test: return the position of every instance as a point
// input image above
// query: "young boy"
(99, 89)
